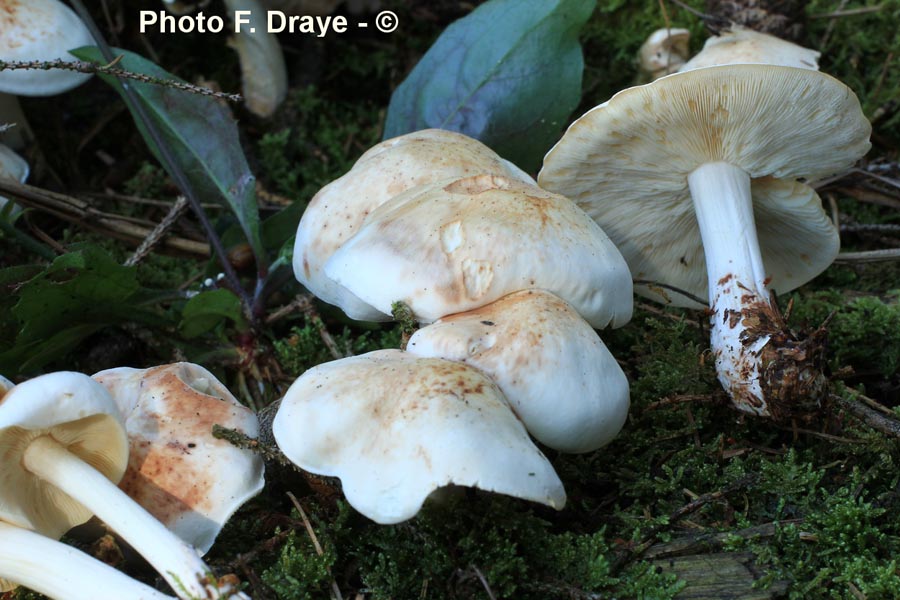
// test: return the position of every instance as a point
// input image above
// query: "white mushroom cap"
(457, 245)
(550, 364)
(79, 414)
(745, 46)
(664, 51)
(394, 428)
(626, 162)
(338, 210)
(186, 478)
(40, 30)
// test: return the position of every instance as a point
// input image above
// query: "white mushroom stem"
(60, 571)
(737, 277)
(175, 560)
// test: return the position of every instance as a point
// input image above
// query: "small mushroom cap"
(457, 245)
(41, 30)
(338, 210)
(626, 162)
(745, 46)
(189, 480)
(77, 412)
(395, 428)
(550, 364)
(664, 51)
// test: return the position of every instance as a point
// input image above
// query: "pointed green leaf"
(203, 137)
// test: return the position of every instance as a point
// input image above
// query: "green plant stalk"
(175, 170)
(26, 241)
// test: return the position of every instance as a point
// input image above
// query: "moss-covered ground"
(801, 510)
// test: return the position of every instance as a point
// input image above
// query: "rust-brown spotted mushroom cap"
(186, 478)
(700, 148)
(739, 45)
(35, 30)
(338, 210)
(395, 427)
(550, 364)
(64, 446)
(453, 246)
(43, 30)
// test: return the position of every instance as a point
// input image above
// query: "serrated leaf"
(207, 310)
(202, 134)
(508, 74)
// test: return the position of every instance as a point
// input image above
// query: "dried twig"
(869, 416)
(650, 537)
(78, 211)
(850, 12)
(113, 71)
(335, 590)
(868, 256)
(155, 236)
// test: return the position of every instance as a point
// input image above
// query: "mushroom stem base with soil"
(176, 561)
(764, 367)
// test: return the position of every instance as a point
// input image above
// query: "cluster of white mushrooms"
(509, 281)
(135, 449)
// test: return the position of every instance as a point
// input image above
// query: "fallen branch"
(78, 211)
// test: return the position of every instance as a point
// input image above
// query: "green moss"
(864, 332)
(300, 573)
(303, 348)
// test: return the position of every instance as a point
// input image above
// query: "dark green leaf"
(207, 310)
(508, 74)
(77, 294)
(203, 137)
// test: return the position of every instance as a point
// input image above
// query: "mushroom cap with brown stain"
(550, 364)
(189, 480)
(78, 413)
(626, 164)
(339, 209)
(395, 427)
(40, 30)
(739, 45)
(454, 246)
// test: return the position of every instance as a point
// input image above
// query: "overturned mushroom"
(64, 447)
(395, 428)
(550, 364)
(185, 477)
(718, 151)
(386, 170)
